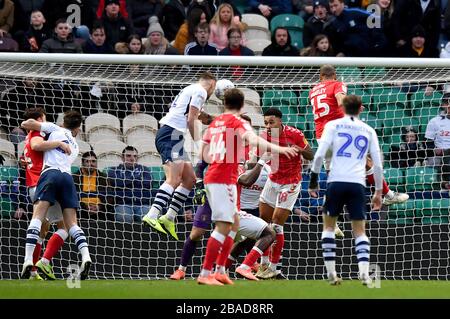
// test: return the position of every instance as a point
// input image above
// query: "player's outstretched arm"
(206, 118)
(192, 121)
(261, 143)
(39, 145)
(33, 125)
(307, 153)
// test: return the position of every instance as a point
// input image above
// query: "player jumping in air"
(349, 140)
(326, 99)
(180, 177)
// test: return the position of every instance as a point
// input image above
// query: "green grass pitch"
(189, 289)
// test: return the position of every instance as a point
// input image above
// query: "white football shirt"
(350, 140)
(438, 130)
(250, 195)
(193, 95)
(57, 158)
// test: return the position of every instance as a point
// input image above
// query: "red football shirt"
(34, 160)
(287, 170)
(324, 103)
(226, 148)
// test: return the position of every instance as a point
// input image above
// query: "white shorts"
(54, 213)
(222, 199)
(327, 159)
(250, 226)
(280, 195)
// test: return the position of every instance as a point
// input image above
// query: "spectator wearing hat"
(117, 28)
(416, 47)
(156, 42)
(281, 44)
(319, 23)
(409, 13)
(438, 142)
(140, 12)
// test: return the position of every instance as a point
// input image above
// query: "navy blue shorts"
(55, 185)
(254, 211)
(170, 144)
(351, 194)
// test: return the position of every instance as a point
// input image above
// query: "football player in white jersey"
(438, 141)
(56, 184)
(180, 177)
(350, 140)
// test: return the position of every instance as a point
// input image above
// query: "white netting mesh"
(410, 240)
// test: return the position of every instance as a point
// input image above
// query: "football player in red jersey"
(224, 149)
(283, 185)
(33, 157)
(326, 99)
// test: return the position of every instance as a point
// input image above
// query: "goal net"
(121, 100)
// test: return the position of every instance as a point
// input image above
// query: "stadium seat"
(419, 100)
(374, 72)
(257, 26)
(296, 38)
(101, 126)
(144, 146)
(394, 176)
(279, 97)
(348, 74)
(424, 115)
(109, 152)
(359, 90)
(304, 102)
(8, 175)
(386, 95)
(136, 127)
(251, 109)
(148, 159)
(213, 109)
(158, 176)
(435, 211)
(403, 213)
(258, 45)
(83, 147)
(289, 21)
(251, 97)
(8, 151)
(421, 179)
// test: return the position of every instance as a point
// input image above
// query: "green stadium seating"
(420, 100)
(421, 179)
(289, 21)
(383, 96)
(8, 174)
(435, 211)
(425, 114)
(394, 176)
(374, 72)
(403, 213)
(74, 169)
(348, 74)
(241, 5)
(359, 90)
(296, 38)
(158, 176)
(394, 125)
(279, 97)
(372, 121)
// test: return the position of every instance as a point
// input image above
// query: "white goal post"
(408, 241)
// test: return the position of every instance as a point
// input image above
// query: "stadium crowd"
(381, 28)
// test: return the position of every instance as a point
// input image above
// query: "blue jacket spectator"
(201, 45)
(352, 36)
(97, 43)
(129, 188)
